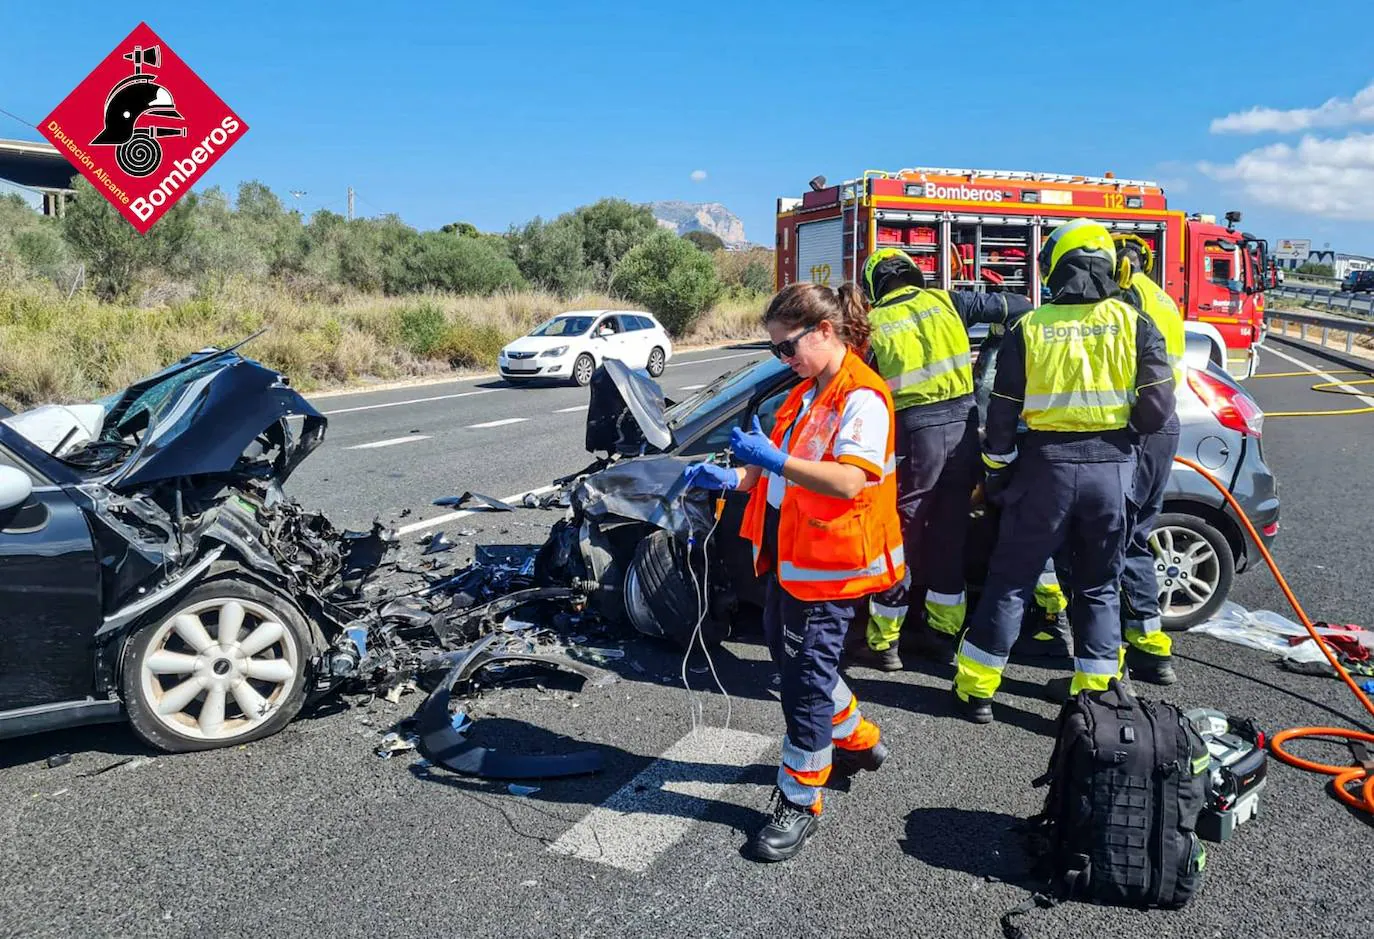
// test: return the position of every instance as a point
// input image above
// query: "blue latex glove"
(711, 476)
(755, 449)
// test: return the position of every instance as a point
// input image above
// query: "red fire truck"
(982, 230)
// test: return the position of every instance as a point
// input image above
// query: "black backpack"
(1127, 780)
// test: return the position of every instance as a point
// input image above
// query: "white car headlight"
(553, 353)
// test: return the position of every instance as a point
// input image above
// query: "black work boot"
(932, 644)
(849, 762)
(884, 660)
(1151, 669)
(975, 710)
(785, 833)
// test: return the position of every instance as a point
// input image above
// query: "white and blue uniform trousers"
(1076, 511)
(820, 712)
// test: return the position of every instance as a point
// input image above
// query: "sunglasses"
(788, 347)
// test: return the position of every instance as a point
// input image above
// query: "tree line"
(611, 246)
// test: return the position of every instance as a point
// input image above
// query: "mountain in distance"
(682, 217)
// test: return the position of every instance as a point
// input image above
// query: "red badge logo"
(143, 127)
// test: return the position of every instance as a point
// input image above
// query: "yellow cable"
(1326, 387)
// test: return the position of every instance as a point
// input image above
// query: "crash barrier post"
(1281, 319)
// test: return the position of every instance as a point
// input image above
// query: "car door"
(50, 604)
(639, 340)
(610, 339)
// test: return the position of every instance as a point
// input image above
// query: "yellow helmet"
(1140, 246)
(1080, 235)
(892, 261)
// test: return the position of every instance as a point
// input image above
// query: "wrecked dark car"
(151, 568)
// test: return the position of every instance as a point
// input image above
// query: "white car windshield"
(565, 326)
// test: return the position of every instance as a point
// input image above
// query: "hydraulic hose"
(1344, 776)
(1326, 387)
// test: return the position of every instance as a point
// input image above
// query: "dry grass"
(55, 349)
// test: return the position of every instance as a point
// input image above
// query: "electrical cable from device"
(1343, 776)
(700, 591)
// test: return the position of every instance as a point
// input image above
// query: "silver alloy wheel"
(219, 668)
(585, 366)
(656, 362)
(1187, 570)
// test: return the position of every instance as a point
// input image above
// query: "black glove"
(996, 478)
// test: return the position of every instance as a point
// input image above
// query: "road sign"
(1292, 249)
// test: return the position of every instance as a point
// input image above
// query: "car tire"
(658, 361)
(583, 369)
(1203, 557)
(661, 599)
(161, 661)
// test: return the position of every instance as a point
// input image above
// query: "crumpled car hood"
(640, 397)
(214, 419)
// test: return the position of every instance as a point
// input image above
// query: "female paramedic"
(822, 516)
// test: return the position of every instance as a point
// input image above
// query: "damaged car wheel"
(225, 666)
(661, 599)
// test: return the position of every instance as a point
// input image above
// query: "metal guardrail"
(1361, 303)
(1281, 319)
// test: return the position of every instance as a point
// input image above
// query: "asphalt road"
(310, 833)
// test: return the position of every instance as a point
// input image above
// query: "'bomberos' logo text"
(142, 127)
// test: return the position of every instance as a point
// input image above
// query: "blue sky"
(495, 113)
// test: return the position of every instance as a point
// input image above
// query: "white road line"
(692, 387)
(1366, 399)
(397, 404)
(580, 407)
(393, 441)
(500, 423)
(719, 358)
(651, 813)
(464, 513)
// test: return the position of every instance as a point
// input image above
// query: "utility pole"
(350, 203)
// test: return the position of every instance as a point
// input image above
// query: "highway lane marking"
(1335, 382)
(447, 517)
(580, 407)
(501, 423)
(650, 813)
(719, 358)
(397, 404)
(391, 442)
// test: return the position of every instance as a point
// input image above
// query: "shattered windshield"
(727, 386)
(565, 326)
(153, 403)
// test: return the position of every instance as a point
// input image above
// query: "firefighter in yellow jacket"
(822, 518)
(1149, 648)
(1085, 373)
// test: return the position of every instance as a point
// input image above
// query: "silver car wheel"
(1187, 570)
(219, 668)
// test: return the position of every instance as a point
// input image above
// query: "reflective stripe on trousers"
(1149, 641)
(803, 772)
(945, 611)
(1094, 674)
(978, 673)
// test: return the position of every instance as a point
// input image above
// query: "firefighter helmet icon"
(133, 99)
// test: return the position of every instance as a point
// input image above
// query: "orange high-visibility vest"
(830, 548)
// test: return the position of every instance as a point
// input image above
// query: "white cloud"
(1326, 177)
(698, 175)
(1335, 112)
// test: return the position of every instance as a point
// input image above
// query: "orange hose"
(1344, 776)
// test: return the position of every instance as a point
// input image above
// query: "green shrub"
(421, 328)
(671, 278)
(705, 240)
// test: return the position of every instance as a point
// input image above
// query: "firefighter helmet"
(1127, 244)
(885, 264)
(1076, 238)
(131, 99)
